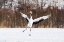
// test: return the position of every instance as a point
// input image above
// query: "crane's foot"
(29, 34)
(23, 30)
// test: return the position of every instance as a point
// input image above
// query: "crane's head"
(30, 13)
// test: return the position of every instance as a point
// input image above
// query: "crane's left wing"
(41, 18)
(25, 16)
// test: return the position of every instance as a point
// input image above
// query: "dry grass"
(11, 19)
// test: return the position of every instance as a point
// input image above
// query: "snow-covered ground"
(37, 35)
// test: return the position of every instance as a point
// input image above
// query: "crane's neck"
(30, 17)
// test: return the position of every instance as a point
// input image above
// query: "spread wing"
(41, 18)
(25, 16)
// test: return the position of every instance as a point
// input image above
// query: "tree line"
(13, 19)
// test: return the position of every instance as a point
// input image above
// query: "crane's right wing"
(41, 18)
(25, 16)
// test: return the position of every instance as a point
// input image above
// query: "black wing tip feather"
(38, 21)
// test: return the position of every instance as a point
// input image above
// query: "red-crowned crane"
(31, 20)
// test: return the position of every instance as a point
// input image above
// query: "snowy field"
(37, 35)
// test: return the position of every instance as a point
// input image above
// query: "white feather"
(25, 16)
(43, 17)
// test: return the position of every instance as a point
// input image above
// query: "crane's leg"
(30, 32)
(24, 30)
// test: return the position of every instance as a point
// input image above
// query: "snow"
(55, 3)
(37, 35)
(14, 5)
(46, 6)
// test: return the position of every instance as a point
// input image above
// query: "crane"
(31, 20)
